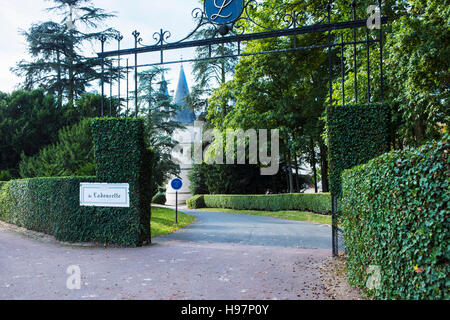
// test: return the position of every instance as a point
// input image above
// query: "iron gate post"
(136, 35)
(102, 79)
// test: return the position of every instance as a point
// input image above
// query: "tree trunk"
(71, 83)
(297, 180)
(419, 130)
(224, 79)
(289, 164)
(324, 166)
(60, 85)
(313, 164)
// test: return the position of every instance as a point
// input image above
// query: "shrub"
(234, 179)
(41, 204)
(5, 175)
(121, 157)
(319, 203)
(72, 155)
(395, 216)
(196, 202)
(197, 178)
(52, 205)
(356, 134)
(159, 198)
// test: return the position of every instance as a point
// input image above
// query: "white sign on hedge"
(105, 195)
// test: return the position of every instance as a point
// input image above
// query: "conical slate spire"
(184, 116)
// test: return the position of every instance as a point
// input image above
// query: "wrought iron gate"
(230, 28)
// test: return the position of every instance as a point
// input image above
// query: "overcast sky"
(146, 16)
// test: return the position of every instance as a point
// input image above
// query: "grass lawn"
(163, 221)
(290, 215)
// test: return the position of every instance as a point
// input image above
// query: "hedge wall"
(319, 203)
(42, 204)
(121, 157)
(196, 202)
(396, 216)
(356, 134)
(52, 205)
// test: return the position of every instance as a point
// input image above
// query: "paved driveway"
(221, 256)
(213, 227)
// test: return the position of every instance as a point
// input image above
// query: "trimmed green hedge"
(121, 157)
(196, 202)
(356, 134)
(159, 198)
(319, 203)
(395, 213)
(42, 204)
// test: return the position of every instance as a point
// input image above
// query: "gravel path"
(221, 256)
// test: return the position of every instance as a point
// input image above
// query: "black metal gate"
(234, 32)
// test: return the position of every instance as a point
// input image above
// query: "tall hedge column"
(356, 134)
(121, 157)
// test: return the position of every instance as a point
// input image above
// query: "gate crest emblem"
(223, 11)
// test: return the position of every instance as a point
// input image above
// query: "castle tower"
(185, 138)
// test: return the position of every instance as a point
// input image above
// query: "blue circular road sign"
(176, 184)
(223, 11)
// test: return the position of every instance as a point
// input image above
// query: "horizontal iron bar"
(242, 38)
(322, 46)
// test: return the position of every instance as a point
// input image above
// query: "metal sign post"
(176, 185)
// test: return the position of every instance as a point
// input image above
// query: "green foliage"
(232, 179)
(197, 179)
(44, 204)
(209, 74)
(416, 77)
(121, 157)
(159, 198)
(395, 216)
(356, 134)
(72, 155)
(51, 205)
(319, 203)
(279, 90)
(29, 121)
(58, 64)
(196, 202)
(159, 110)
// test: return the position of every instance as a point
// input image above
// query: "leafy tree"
(5, 175)
(59, 65)
(269, 92)
(418, 69)
(210, 73)
(197, 179)
(71, 155)
(89, 106)
(416, 48)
